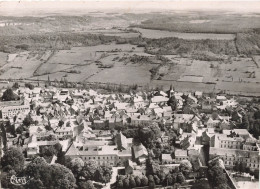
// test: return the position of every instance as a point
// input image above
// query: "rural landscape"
(193, 50)
(127, 97)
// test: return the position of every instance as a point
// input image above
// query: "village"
(139, 139)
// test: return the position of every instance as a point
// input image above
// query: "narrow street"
(113, 177)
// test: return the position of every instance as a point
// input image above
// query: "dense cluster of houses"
(84, 122)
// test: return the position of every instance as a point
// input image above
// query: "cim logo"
(18, 181)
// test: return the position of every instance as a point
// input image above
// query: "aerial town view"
(138, 95)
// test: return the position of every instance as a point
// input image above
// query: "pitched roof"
(72, 151)
(139, 151)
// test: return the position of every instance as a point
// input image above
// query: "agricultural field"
(3, 58)
(129, 74)
(83, 63)
(204, 51)
(19, 66)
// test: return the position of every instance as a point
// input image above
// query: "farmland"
(189, 50)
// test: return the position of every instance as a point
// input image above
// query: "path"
(113, 177)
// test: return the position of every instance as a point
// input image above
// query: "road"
(113, 177)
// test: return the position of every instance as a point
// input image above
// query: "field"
(193, 51)
(3, 58)
(20, 67)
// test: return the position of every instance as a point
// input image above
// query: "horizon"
(27, 8)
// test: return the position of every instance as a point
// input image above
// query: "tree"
(256, 174)
(156, 179)
(9, 95)
(103, 174)
(132, 182)
(10, 128)
(58, 147)
(60, 124)
(149, 134)
(28, 120)
(144, 181)
(52, 176)
(152, 167)
(89, 170)
(126, 183)
(242, 167)
(48, 151)
(214, 115)
(137, 181)
(169, 180)
(217, 178)
(86, 185)
(180, 178)
(5, 180)
(15, 85)
(162, 176)
(20, 129)
(35, 183)
(236, 166)
(13, 158)
(29, 85)
(201, 184)
(185, 167)
(62, 177)
(151, 181)
(62, 159)
(120, 184)
(76, 166)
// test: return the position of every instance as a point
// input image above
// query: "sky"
(27, 8)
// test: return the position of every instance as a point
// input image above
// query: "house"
(129, 167)
(180, 154)
(11, 111)
(212, 123)
(122, 142)
(206, 108)
(167, 159)
(140, 153)
(233, 148)
(36, 129)
(236, 116)
(100, 124)
(99, 151)
(198, 94)
(140, 120)
(187, 140)
(159, 99)
(221, 98)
